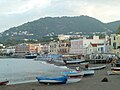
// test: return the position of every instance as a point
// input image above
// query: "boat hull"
(88, 72)
(4, 82)
(30, 57)
(115, 69)
(97, 68)
(49, 80)
(74, 76)
(73, 61)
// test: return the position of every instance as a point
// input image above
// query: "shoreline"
(87, 83)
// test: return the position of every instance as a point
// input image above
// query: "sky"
(16, 12)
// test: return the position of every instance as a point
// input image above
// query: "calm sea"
(25, 70)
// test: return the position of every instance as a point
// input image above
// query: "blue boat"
(52, 80)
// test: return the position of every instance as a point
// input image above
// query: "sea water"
(26, 70)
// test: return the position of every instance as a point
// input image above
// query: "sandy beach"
(87, 83)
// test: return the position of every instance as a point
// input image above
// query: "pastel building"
(77, 47)
(64, 46)
(22, 49)
(80, 46)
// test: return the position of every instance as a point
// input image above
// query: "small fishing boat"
(97, 68)
(4, 82)
(73, 76)
(73, 61)
(112, 73)
(88, 72)
(30, 55)
(115, 69)
(52, 80)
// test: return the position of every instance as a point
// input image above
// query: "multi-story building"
(79, 46)
(8, 50)
(115, 43)
(64, 46)
(22, 49)
(44, 48)
(53, 47)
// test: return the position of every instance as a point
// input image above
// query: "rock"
(104, 80)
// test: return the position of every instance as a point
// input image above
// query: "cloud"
(16, 12)
(22, 6)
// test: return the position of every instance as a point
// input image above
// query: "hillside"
(50, 26)
(113, 26)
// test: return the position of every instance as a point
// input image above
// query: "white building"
(10, 49)
(77, 47)
(80, 46)
(63, 37)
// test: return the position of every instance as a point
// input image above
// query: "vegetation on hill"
(52, 26)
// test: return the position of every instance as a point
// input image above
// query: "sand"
(87, 83)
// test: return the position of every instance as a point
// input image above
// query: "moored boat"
(88, 72)
(115, 69)
(97, 68)
(4, 82)
(112, 73)
(30, 55)
(73, 76)
(73, 61)
(52, 80)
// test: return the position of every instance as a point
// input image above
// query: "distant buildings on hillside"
(71, 44)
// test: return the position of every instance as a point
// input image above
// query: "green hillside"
(51, 26)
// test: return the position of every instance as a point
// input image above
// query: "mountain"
(113, 25)
(51, 26)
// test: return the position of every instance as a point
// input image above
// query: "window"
(114, 45)
(114, 37)
(101, 49)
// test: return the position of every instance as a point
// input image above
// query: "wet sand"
(87, 83)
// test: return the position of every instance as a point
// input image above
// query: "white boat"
(112, 73)
(73, 61)
(30, 55)
(88, 72)
(115, 69)
(73, 76)
(97, 68)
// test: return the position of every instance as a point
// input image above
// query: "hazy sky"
(17, 12)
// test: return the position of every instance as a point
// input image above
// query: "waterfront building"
(22, 49)
(8, 50)
(115, 43)
(79, 46)
(44, 49)
(53, 47)
(64, 46)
